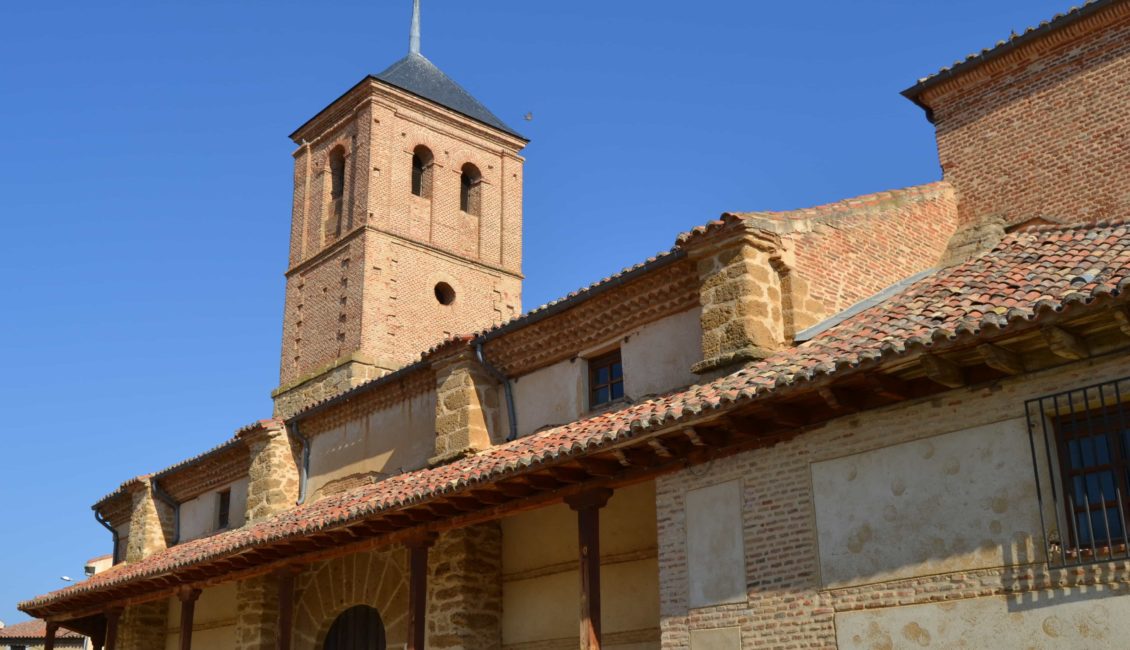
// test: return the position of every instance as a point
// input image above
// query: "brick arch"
(375, 578)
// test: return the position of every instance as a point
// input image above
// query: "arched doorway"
(357, 628)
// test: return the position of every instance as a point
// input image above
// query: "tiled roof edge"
(1059, 21)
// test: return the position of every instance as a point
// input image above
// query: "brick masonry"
(1042, 131)
(366, 286)
(786, 605)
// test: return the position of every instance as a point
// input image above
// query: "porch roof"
(1029, 277)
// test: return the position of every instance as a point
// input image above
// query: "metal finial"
(414, 35)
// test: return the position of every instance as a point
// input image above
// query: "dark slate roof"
(419, 76)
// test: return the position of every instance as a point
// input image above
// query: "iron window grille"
(1081, 439)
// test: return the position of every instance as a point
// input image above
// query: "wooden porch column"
(112, 617)
(588, 505)
(98, 639)
(49, 640)
(187, 597)
(418, 589)
(286, 608)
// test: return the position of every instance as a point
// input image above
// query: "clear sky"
(145, 185)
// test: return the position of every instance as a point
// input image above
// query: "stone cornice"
(662, 292)
(331, 250)
(371, 87)
(387, 394)
(990, 65)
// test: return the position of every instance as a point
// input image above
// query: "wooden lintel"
(1064, 344)
(787, 416)
(490, 497)
(1001, 359)
(887, 386)
(942, 371)
(569, 474)
(692, 434)
(659, 448)
(601, 467)
(1122, 317)
(541, 481)
(513, 489)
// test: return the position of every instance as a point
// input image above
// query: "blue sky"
(145, 185)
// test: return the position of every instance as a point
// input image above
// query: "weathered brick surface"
(786, 605)
(365, 286)
(1042, 131)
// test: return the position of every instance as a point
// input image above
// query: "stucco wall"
(541, 583)
(946, 486)
(657, 358)
(400, 437)
(198, 516)
(1042, 621)
(213, 621)
(550, 396)
(878, 512)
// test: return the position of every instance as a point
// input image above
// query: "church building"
(899, 420)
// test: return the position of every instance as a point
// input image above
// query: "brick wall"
(368, 292)
(850, 250)
(786, 605)
(1043, 130)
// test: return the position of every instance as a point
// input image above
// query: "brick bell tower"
(406, 228)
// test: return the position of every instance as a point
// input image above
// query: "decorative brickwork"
(149, 524)
(410, 384)
(466, 406)
(1040, 130)
(143, 627)
(365, 285)
(325, 590)
(851, 249)
(257, 610)
(655, 295)
(465, 589)
(273, 474)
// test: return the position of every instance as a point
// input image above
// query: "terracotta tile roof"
(1029, 274)
(1002, 47)
(34, 629)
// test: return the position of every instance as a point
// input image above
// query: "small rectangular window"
(606, 379)
(223, 509)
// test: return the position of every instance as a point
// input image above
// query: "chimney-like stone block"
(273, 477)
(466, 406)
(149, 521)
(741, 295)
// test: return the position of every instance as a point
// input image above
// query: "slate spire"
(414, 34)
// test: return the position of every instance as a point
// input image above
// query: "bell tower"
(406, 228)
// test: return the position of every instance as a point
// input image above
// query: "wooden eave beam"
(942, 371)
(1001, 359)
(1064, 343)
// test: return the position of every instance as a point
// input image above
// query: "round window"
(445, 294)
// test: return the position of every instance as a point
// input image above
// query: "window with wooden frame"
(1093, 465)
(223, 510)
(606, 379)
(1084, 436)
